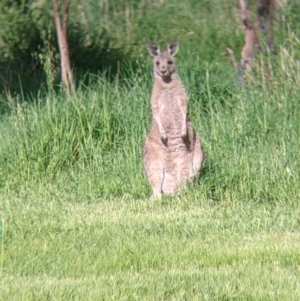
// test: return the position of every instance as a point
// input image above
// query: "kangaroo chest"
(171, 111)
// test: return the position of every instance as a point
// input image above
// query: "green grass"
(130, 249)
(74, 196)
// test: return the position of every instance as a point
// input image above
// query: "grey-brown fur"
(173, 153)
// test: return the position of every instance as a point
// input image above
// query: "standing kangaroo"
(173, 153)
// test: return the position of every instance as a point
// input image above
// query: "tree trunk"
(61, 29)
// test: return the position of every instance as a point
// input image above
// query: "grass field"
(78, 224)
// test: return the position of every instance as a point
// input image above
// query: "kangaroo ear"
(153, 49)
(173, 48)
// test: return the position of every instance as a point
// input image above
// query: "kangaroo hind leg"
(154, 168)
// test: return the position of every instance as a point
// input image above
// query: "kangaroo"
(173, 153)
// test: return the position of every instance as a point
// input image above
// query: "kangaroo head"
(164, 61)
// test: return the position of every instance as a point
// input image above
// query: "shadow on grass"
(29, 78)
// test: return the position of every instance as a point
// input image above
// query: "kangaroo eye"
(170, 63)
(157, 63)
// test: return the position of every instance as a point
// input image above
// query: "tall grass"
(249, 134)
(61, 133)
